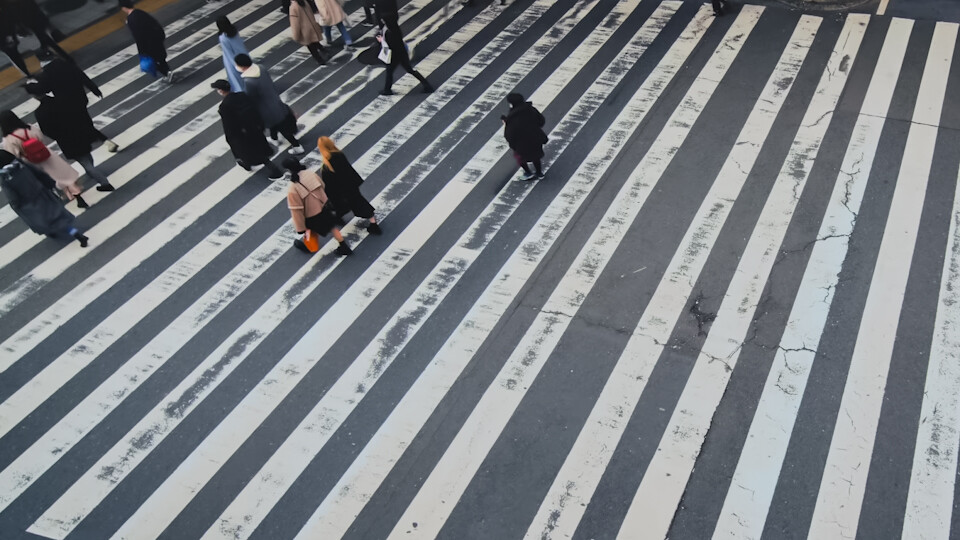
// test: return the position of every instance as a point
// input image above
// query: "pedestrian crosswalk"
(728, 311)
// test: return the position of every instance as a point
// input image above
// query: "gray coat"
(32, 196)
(258, 85)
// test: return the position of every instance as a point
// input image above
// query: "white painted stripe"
(290, 459)
(449, 478)
(845, 474)
(661, 488)
(284, 301)
(130, 51)
(572, 488)
(882, 8)
(43, 453)
(751, 490)
(932, 482)
(43, 325)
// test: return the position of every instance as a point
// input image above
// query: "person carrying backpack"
(27, 143)
(31, 195)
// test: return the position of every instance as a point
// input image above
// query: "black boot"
(81, 238)
(343, 249)
(81, 203)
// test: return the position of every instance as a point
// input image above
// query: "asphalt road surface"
(730, 309)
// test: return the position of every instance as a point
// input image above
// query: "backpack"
(34, 150)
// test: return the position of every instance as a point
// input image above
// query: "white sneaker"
(111, 146)
(169, 78)
(295, 150)
(528, 176)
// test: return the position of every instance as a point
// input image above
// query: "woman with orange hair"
(343, 185)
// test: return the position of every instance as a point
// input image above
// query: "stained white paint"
(932, 482)
(44, 324)
(661, 488)
(564, 505)
(439, 492)
(90, 489)
(290, 459)
(845, 474)
(748, 499)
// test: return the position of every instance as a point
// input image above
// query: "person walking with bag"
(149, 37)
(243, 130)
(31, 194)
(342, 185)
(332, 14)
(275, 114)
(396, 55)
(306, 30)
(309, 210)
(69, 129)
(231, 44)
(523, 129)
(26, 143)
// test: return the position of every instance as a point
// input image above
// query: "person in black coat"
(69, 84)
(386, 10)
(9, 41)
(149, 36)
(28, 14)
(393, 37)
(523, 129)
(32, 195)
(342, 185)
(65, 123)
(243, 129)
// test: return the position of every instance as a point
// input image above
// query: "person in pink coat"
(331, 14)
(16, 132)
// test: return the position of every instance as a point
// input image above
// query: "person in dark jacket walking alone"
(393, 37)
(309, 210)
(523, 129)
(275, 114)
(9, 40)
(149, 36)
(29, 15)
(243, 130)
(61, 122)
(32, 196)
(342, 185)
(69, 84)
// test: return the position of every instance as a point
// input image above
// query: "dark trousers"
(718, 6)
(402, 60)
(316, 51)
(10, 49)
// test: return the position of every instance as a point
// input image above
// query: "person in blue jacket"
(231, 44)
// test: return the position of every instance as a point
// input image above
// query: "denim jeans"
(328, 33)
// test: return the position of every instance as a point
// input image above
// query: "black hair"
(515, 99)
(293, 165)
(242, 60)
(6, 158)
(125, 3)
(10, 122)
(224, 26)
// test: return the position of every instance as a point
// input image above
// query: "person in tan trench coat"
(331, 14)
(306, 30)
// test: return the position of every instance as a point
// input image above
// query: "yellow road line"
(81, 39)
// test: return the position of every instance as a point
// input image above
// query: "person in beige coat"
(307, 201)
(306, 30)
(332, 14)
(15, 132)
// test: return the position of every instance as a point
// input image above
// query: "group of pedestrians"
(251, 109)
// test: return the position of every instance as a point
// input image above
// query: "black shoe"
(82, 203)
(386, 92)
(298, 243)
(82, 239)
(343, 249)
(242, 165)
(105, 187)
(274, 173)
(375, 229)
